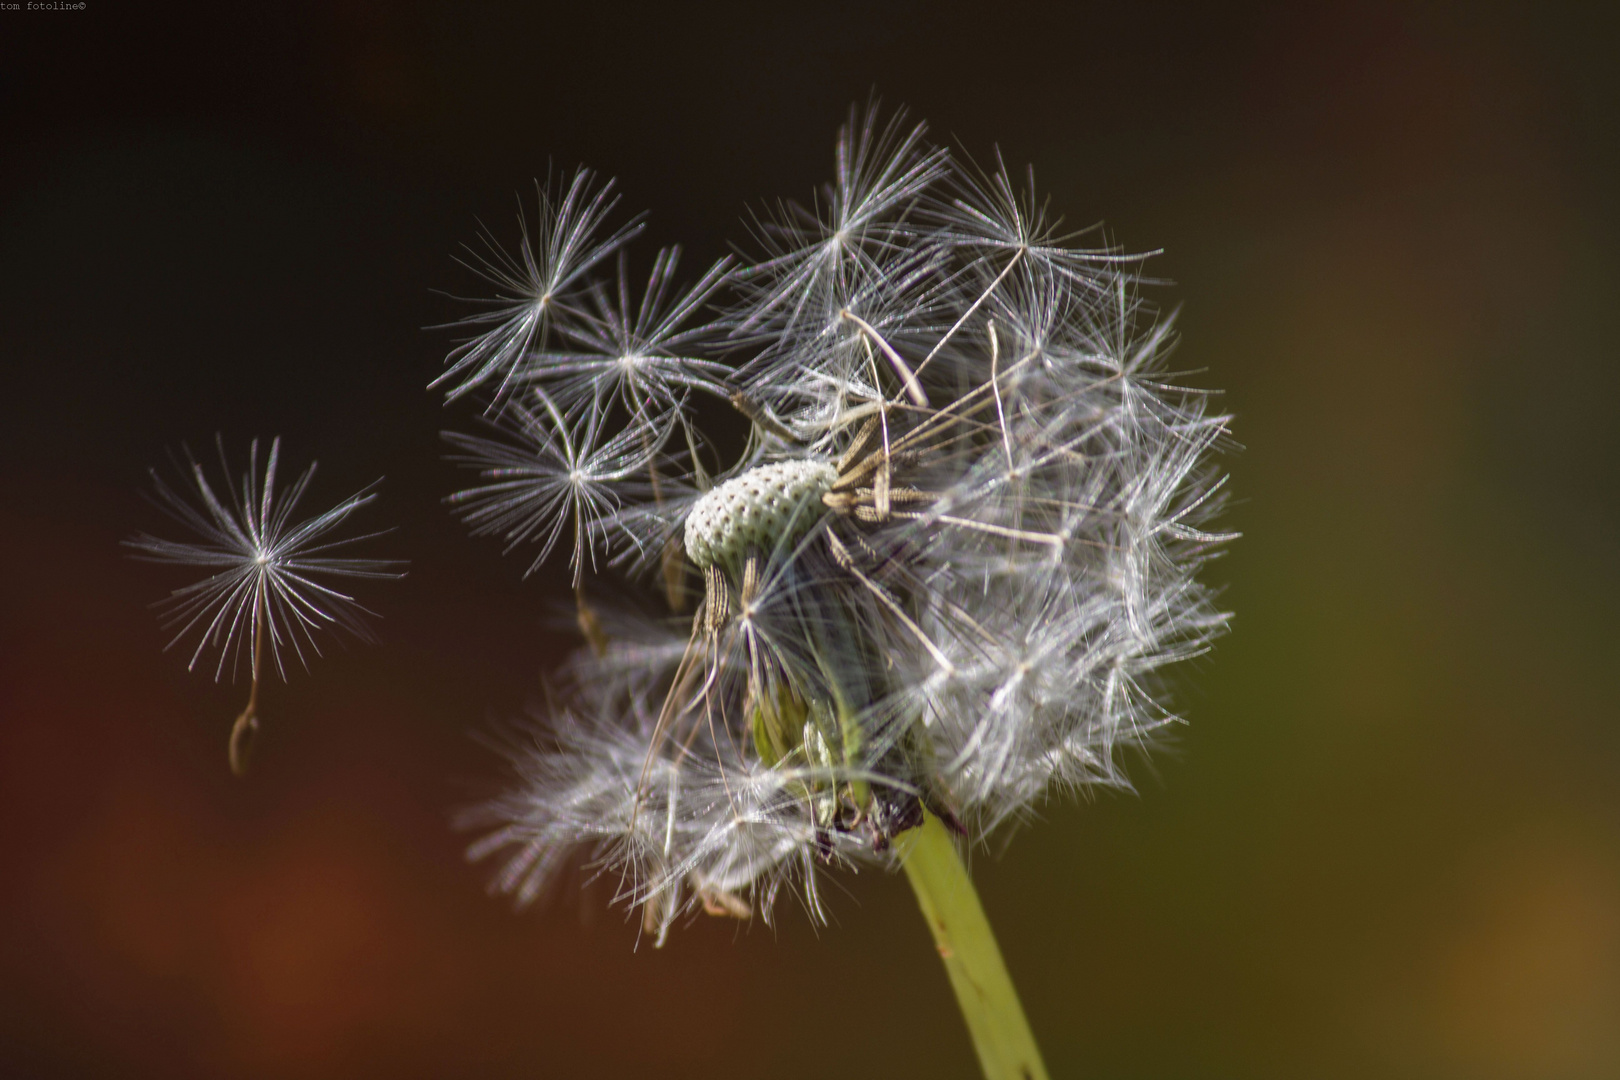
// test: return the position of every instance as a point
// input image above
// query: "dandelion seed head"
(946, 573)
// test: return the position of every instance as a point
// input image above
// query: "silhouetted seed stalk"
(246, 729)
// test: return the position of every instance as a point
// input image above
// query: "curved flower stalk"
(940, 581)
(272, 579)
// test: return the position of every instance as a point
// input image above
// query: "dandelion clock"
(938, 582)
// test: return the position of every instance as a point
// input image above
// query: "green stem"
(984, 990)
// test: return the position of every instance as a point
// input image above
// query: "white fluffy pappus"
(943, 575)
(267, 573)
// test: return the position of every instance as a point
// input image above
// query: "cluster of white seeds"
(965, 617)
(756, 510)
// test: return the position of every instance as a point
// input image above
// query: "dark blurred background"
(1388, 842)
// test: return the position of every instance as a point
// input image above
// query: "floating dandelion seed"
(941, 580)
(269, 579)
